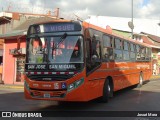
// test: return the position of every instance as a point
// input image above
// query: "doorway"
(20, 65)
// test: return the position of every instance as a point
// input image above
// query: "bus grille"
(52, 94)
(51, 77)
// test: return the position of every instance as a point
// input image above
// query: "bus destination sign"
(55, 27)
(42, 67)
(64, 66)
(36, 67)
(58, 27)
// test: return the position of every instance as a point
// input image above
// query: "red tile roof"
(146, 40)
(153, 37)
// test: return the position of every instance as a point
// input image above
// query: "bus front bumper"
(73, 92)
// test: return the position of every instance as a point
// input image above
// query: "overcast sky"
(83, 8)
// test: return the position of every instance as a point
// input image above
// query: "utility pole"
(130, 23)
(132, 20)
(57, 12)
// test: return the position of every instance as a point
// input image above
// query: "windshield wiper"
(57, 45)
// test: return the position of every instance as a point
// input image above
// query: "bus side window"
(126, 47)
(143, 53)
(93, 54)
(148, 54)
(138, 55)
(95, 48)
(132, 52)
(107, 48)
(118, 54)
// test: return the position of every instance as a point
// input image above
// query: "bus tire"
(107, 91)
(140, 80)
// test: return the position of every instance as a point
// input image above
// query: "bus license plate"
(47, 95)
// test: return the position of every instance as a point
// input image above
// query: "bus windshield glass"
(67, 49)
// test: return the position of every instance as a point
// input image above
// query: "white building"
(151, 26)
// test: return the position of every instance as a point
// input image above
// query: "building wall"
(9, 61)
(122, 33)
(120, 23)
(155, 61)
(15, 19)
(157, 43)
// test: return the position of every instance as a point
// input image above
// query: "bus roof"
(53, 21)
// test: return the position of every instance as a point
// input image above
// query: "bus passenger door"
(92, 64)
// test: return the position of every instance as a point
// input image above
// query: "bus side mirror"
(95, 59)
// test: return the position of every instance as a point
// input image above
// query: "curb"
(157, 78)
(12, 86)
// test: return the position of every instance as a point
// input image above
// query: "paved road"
(146, 98)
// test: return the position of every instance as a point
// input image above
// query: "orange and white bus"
(77, 61)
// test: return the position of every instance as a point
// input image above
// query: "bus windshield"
(55, 50)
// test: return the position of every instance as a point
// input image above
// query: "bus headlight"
(75, 84)
(26, 85)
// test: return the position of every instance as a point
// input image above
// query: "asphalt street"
(128, 100)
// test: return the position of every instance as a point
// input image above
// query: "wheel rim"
(141, 80)
(109, 89)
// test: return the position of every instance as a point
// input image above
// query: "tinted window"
(126, 45)
(137, 48)
(107, 48)
(138, 55)
(132, 55)
(125, 55)
(118, 54)
(107, 54)
(132, 47)
(107, 41)
(143, 53)
(148, 54)
(118, 43)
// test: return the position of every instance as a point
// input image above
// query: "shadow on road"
(129, 99)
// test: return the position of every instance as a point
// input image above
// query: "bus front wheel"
(107, 91)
